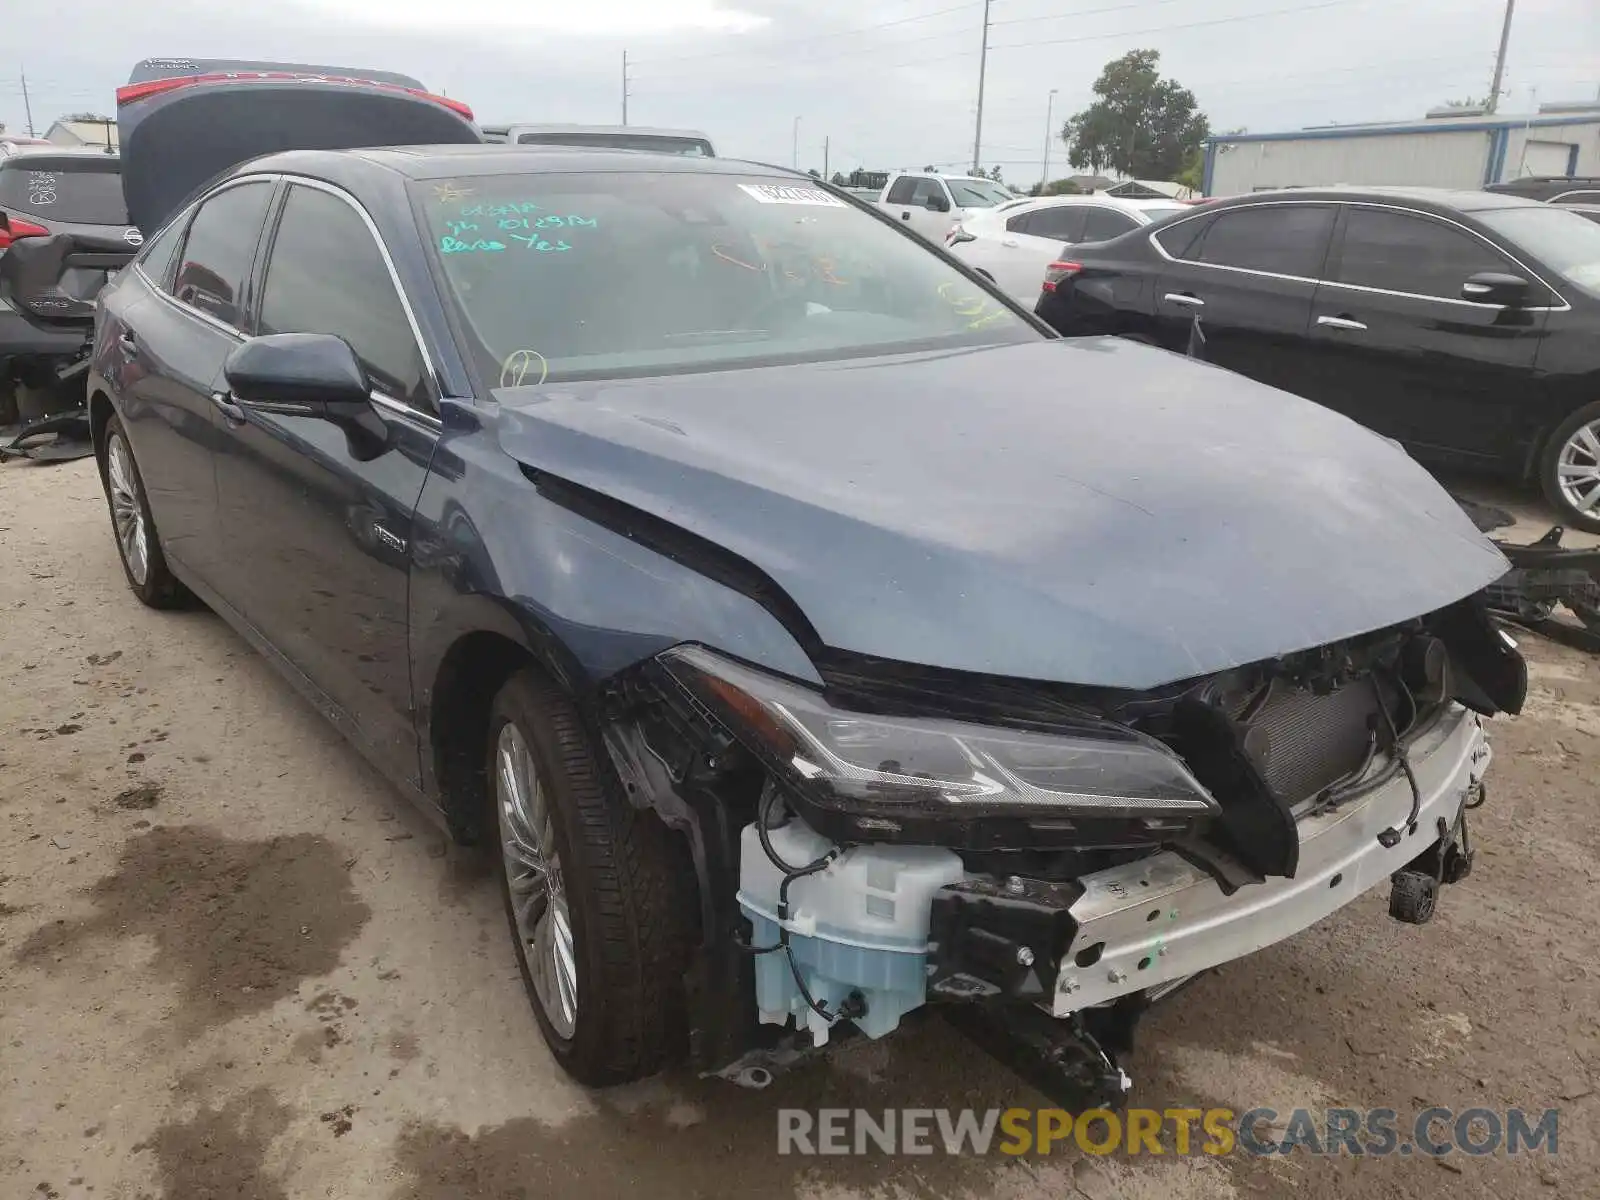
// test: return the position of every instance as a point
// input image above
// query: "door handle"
(1340, 323)
(128, 343)
(231, 411)
(1008, 241)
(1185, 299)
(905, 216)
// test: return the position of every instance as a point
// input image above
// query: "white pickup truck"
(930, 204)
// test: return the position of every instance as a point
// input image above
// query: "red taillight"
(12, 228)
(1057, 271)
(128, 93)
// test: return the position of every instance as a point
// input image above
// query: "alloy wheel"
(535, 881)
(1578, 469)
(127, 509)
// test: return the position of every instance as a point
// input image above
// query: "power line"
(1095, 37)
(1256, 16)
(1087, 12)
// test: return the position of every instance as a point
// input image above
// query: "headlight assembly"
(867, 777)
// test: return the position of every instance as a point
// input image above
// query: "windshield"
(1562, 241)
(978, 193)
(583, 276)
(77, 192)
(659, 143)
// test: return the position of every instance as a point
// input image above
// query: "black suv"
(1553, 189)
(47, 293)
(1462, 324)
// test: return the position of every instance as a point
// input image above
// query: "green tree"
(1193, 175)
(1139, 125)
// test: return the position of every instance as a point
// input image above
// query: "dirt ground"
(234, 965)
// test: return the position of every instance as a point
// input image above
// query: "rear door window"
(77, 192)
(1281, 239)
(1064, 223)
(155, 260)
(1102, 223)
(219, 249)
(321, 237)
(1408, 252)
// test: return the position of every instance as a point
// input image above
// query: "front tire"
(133, 526)
(1569, 469)
(593, 893)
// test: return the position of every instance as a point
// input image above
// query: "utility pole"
(1049, 136)
(794, 152)
(983, 62)
(624, 87)
(27, 107)
(825, 142)
(1500, 59)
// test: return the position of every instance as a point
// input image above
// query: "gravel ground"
(234, 964)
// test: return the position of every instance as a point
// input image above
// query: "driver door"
(318, 529)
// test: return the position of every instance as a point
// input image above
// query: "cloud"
(611, 18)
(889, 83)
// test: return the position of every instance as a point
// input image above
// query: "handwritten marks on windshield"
(519, 367)
(463, 239)
(801, 267)
(478, 228)
(980, 310)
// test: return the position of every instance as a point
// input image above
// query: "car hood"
(1088, 511)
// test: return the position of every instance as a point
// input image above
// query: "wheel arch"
(100, 414)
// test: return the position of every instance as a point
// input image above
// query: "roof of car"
(1101, 198)
(636, 130)
(51, 150)
(443, 162)
(1460, 200)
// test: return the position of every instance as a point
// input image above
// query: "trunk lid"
(182, 122)
(1091, 511)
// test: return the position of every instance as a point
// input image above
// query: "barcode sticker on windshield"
(774, 193)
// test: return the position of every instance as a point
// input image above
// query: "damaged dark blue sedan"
(818, 638)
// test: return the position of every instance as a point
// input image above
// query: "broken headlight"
(859, 776)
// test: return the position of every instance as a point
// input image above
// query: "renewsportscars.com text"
(1378, 1132)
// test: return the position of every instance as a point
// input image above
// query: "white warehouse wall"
(1543, 144)
(1454, 159)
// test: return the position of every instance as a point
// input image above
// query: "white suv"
(1013, 244)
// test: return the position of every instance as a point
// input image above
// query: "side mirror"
(937, 203)
(1493, 287)
(308, 375)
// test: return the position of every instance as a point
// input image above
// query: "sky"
(888, 83)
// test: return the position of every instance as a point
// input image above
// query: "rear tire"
(134, 529)
(601, 887)
(1569, 469)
